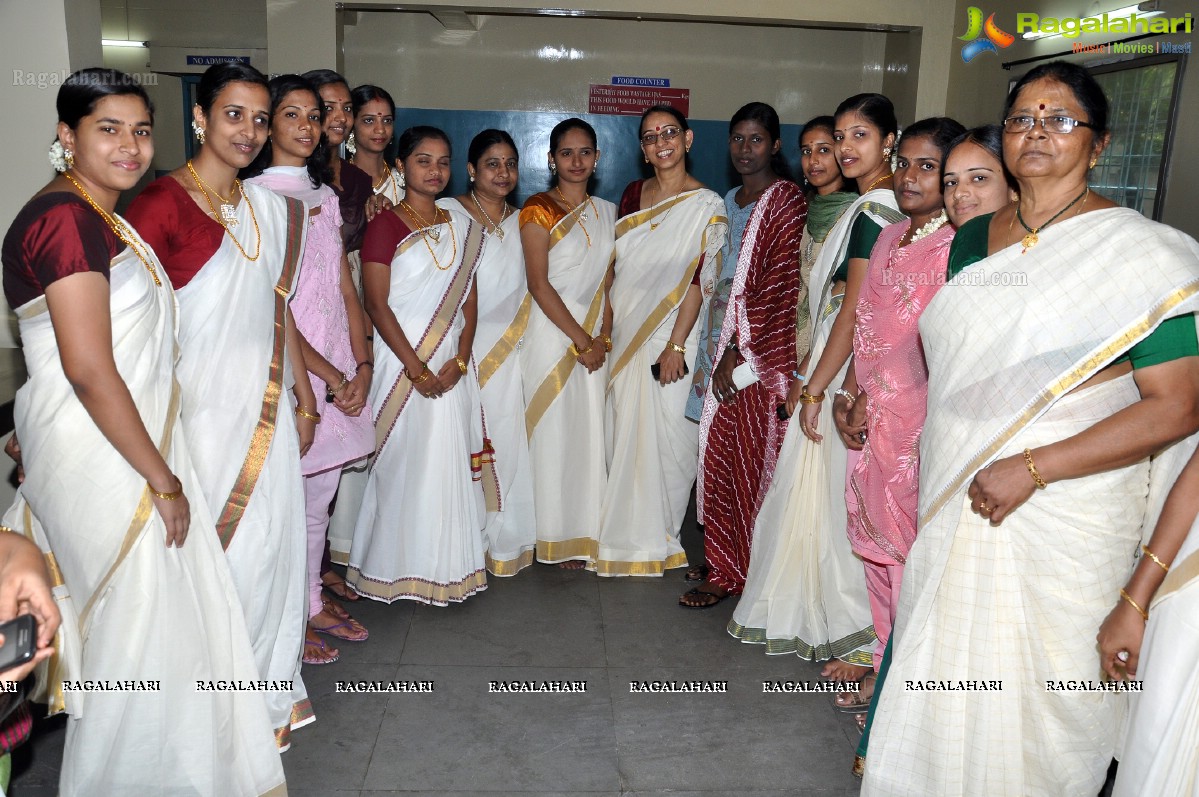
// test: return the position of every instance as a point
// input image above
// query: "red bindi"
(1042, 106)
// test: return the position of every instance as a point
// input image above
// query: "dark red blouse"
(630, 202)
(183, 236)
(383, 235)
(356, 189)
(54, 236)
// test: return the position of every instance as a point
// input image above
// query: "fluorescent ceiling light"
(1150, 10)
(122, 43)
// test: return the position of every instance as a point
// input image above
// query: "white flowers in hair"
(58, 156)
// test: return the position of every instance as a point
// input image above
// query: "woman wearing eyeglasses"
(668, 239)
(1061, 357)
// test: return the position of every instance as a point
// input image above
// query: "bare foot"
(572, 564)
(837, 670)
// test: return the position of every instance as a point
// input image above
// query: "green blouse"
(1173, 339)
(862, 236)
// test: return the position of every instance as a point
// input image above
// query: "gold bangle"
(807, 398)
(1153, 556)
(607, 339)
(1032, 470)
(574, 350)
(312, 416)
(167, 496)
(422, 376)
(670, 344)
(1134, 604)
(461, 364)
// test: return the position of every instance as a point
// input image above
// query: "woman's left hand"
(352, 399)
(306, 427)
(1120, 639)
(1001, 487)
(449, 375)
(671, 365)
(377, 204)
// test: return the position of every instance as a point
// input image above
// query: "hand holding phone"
(19, 641)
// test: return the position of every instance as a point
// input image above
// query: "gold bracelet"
(607, 339)
(167, 496)
(461, 364)
(312, 416)
(1153, 556)
(807, 398)
(422, 376)
(1032, 470)
(1134, 604)
(574, 350)
(670, 344)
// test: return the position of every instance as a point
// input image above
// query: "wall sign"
(630, 100)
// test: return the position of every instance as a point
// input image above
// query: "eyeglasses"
(1051, 124)
(668, 133)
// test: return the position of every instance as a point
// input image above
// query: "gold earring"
(199, 131)
(553, 168)
(1093, 162)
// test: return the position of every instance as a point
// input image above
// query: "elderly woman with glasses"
(668, 238)
(1062, 358)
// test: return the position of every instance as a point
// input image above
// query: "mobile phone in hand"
(656, 371)
(782, 412)
(20, 641)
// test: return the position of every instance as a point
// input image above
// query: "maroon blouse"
(183, 236)
(383, 235)
(356, 189)
(54, 236)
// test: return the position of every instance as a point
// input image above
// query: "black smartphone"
(782, 412)
(656, 371)
(20, 641)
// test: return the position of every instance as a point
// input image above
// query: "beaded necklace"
(222, 221)
(120, 229)
(495, 225)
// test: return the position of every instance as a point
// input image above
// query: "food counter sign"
(629, 96)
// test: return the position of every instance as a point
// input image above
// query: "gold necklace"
(495, 225)
(388, 177)
(574, 211)
(1030, 240)
(433, 233)
(426, 232)
(221, 221)
(876, 182)
(653, 226)
(120, 229)
(228, 212)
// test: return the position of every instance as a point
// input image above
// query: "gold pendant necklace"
(652, 225)
(228, 212)
(1030, 239)
(222, 218)
(574, 211)
(426, 232)
(433, 233)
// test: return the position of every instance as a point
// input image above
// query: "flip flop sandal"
(697, 591)
(857, 704)
(341, 590)
(353, 631)
(326, 657)
(696, 573)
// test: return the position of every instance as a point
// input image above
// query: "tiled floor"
(551, 624)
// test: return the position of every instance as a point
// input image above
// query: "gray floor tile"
(736, 742)
(466, 739)
(543, 617)
(334, 752)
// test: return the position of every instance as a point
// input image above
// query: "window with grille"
(1142, 93)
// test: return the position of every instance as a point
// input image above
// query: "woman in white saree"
(504, 305)
(568, 237)
(806, 590)
(1036, 487)
(668, 241)
(110, 493)
(234, 268)
(419, 533)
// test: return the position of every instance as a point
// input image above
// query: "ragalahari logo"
(982, 37)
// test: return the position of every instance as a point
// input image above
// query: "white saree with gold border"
(652, 448)
(564, 405)
(234, 372)
(419, 534)
(504, 306)
(1007, 342)
(150, 620)
(805, 592)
